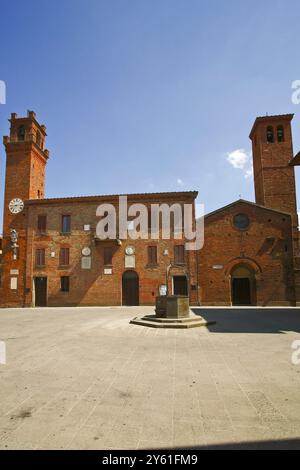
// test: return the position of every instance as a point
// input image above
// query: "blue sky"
(149, 95)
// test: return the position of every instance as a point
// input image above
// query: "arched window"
(280, 134)
(270, 134)
(21, 133)
(38, 138)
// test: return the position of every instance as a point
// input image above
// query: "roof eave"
(244, 201)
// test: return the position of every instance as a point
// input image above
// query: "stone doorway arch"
(243, 285)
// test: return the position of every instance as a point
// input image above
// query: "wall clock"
(16, 205)
(86, 251)
(129, 250)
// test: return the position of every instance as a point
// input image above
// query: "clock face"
(129, 250)
(16, 205)
(86, 251)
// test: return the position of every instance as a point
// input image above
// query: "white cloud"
(248, 173)
(238, 158)
(241, 160)
(180, 182)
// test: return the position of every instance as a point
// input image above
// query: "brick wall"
(265, 247)
(92, 286)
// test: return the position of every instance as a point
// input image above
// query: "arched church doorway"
(242, 286)
(130, 288)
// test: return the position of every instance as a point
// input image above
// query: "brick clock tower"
(26, 160)
(274, 177)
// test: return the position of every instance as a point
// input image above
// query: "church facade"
(52, 254)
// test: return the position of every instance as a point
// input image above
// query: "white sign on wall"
(13, 283)
(162, 289)
(218, 266)
(86, 262)
(129, 261)
(14, 272)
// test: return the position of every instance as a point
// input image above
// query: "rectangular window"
(152, 255)
(107, 254)
(42, 224)
(179, 254)
(65, 283)
(40, 257)
(64, 256)
(66, 224)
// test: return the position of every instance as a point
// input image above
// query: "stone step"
(194, 323)
(154, 318)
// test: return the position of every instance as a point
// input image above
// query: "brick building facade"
(52, 254)
(251, 250)
(251, 265)
(58, 258)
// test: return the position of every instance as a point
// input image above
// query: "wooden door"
(130, 288)
(40, 285)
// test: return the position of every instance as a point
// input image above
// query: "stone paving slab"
(85, 378)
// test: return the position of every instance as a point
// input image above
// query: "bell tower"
(274, 178)
(26, 159)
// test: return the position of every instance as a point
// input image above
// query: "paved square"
(85, 378)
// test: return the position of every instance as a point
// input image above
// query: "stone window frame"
(239, 229)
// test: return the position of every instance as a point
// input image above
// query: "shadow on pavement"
(258, 320)
(280, 444)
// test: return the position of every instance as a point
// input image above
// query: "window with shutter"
(65, 283)
(179, 254)
(152, 255)
(64, 256)
(42, 224)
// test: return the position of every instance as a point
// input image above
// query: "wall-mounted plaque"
(86, 262)
(218, 266)
(14, 272)
(129, 261)
(13, 283)
(107, 271)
